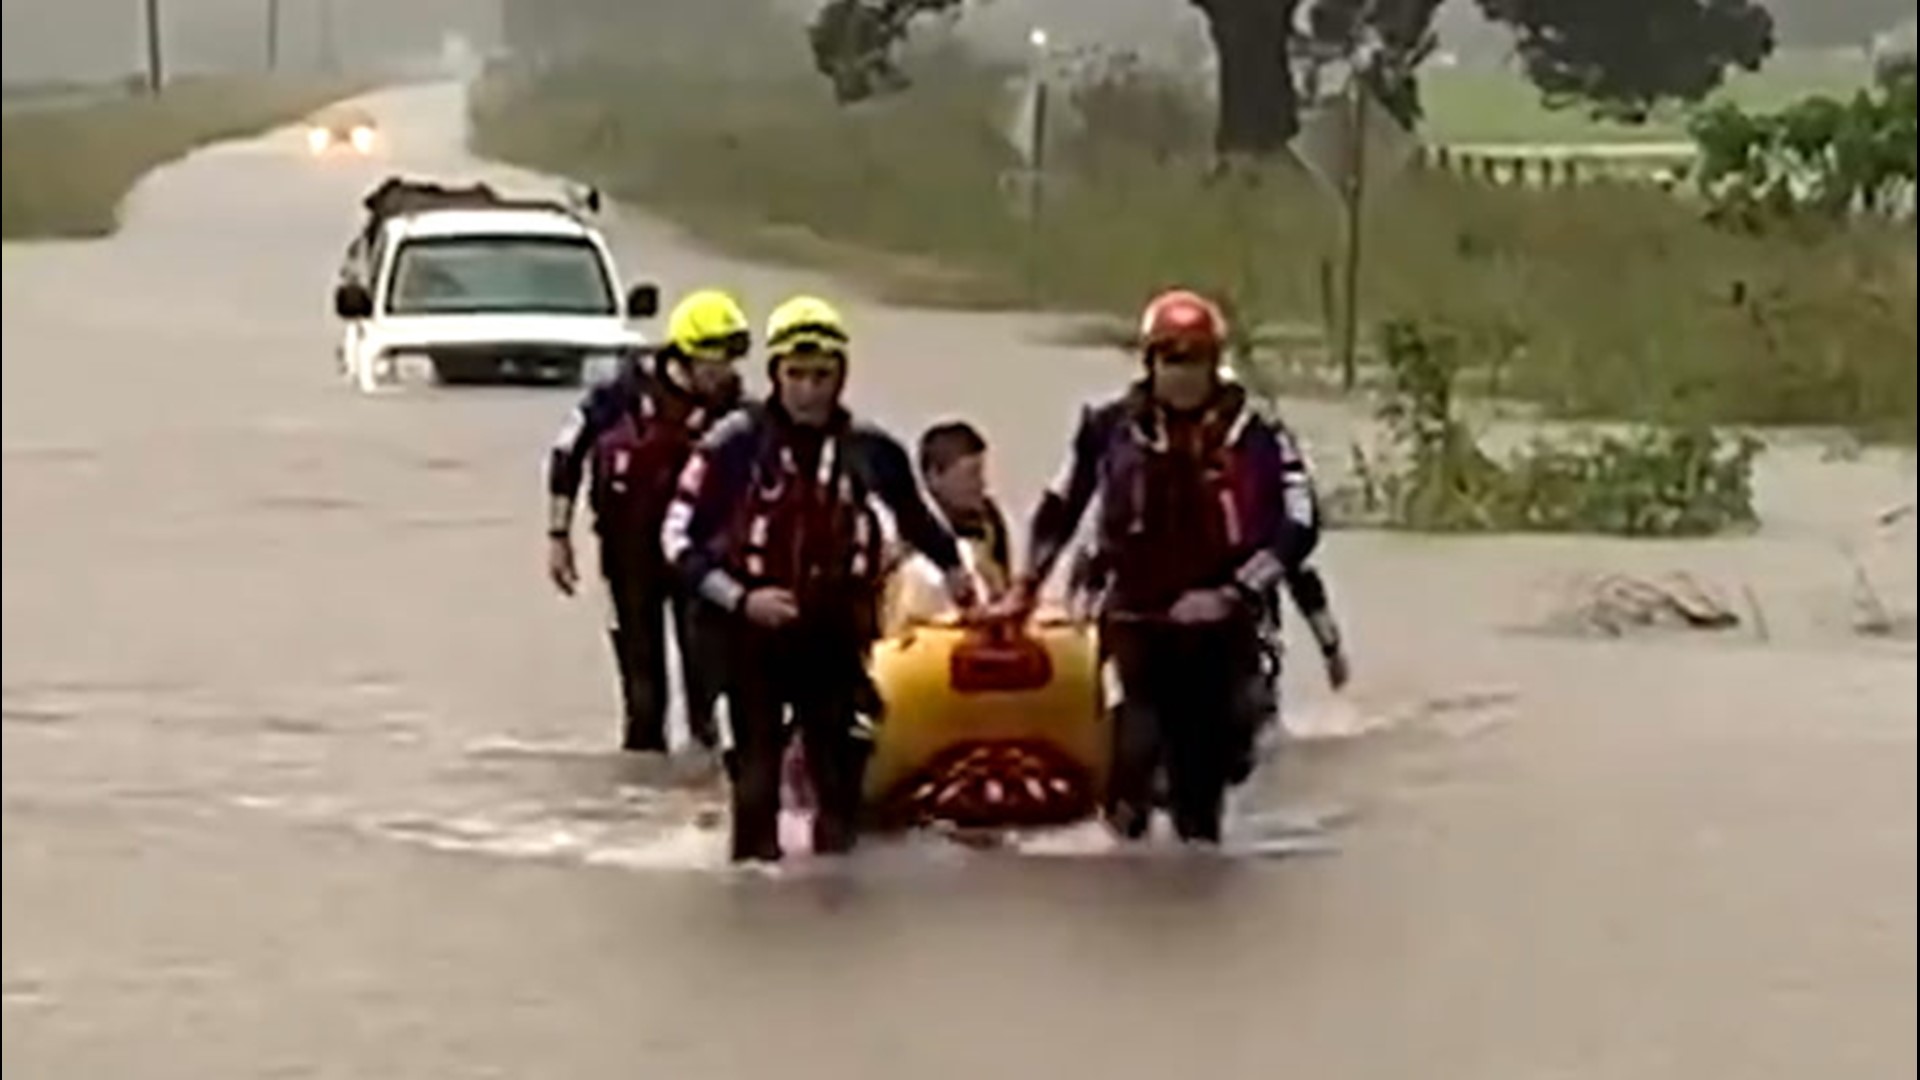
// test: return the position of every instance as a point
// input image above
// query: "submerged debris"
(1878, 611)
(1873, 616)
(1616, 604)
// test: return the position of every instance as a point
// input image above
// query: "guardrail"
(1661, 164)
(1668, 166)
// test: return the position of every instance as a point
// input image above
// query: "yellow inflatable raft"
(989, 726)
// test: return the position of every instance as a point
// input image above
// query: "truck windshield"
(458, 275)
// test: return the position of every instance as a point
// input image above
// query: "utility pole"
(329, 48)
(1353, 204)
(156, 77)
(1036, 152)
(273, 35)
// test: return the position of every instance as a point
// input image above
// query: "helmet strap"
(670, 365)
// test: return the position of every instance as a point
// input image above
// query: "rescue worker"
(773, 522)
(1203, 507)
(953, 464)
(638, 430)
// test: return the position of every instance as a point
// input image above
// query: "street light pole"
(1038, 161)
(329, 48)
(1036, 154)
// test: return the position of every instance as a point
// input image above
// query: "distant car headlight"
(362, 139)
(318, 139)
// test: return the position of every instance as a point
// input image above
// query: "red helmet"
(1181, 320)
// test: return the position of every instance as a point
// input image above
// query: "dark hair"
(944, 444)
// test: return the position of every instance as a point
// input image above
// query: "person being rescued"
(1201, 514)
(639, 430)
(773, 523)
(953, 466)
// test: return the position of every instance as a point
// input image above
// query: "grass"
(25, 93)
(64, 169)
(1606, 301)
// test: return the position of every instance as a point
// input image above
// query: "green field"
(1487, 106)
(65, 167)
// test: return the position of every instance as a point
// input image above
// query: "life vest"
(637, 461)
(1178, 508)
(812, 532)
(915, 591)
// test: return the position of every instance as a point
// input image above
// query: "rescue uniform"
(1218, 500)
(638, 431)
(766, 502)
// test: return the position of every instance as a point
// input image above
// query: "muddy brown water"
(306, 770)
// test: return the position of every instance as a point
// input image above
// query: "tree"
(1400, 30)
(1621, 57)
(1252, 48)
(854, 42)
(1624, 57)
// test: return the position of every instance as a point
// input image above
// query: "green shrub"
(1435, 475)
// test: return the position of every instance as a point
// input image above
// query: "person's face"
(710, 375)
(1183, 380)
(809, 384)
(962, 485)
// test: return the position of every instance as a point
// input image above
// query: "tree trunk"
(1259, 109)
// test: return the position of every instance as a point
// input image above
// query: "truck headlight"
(601, 367)
(317, 139)
(362, 139)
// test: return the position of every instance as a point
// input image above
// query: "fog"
(90, 40)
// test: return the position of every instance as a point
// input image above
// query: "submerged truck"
(483, 287)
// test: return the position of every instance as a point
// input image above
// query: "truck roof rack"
(397, 196)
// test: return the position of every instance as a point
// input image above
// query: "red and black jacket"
(767, 502)
(1218, 499)
(637, 432)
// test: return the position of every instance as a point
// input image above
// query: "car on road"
(342, 129)
(484, 288)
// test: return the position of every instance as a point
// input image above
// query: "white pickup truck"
(483, 289)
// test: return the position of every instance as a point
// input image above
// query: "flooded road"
(306, 770)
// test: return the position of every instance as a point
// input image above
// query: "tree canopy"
(1624, 57)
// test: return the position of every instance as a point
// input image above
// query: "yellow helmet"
(710, 324)
(806, 324)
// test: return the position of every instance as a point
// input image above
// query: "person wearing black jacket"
(637, 432)
(1204, 507)
(772, 523)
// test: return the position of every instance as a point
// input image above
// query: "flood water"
(308, 773)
